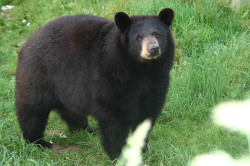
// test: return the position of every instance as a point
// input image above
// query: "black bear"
(115, 71)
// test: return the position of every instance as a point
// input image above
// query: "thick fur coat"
(82, 65)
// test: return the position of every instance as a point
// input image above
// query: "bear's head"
(146, 37)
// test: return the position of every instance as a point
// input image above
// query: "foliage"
(233, 116)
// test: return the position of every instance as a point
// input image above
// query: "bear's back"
(64, 42)
(61, 47)
(67, 32)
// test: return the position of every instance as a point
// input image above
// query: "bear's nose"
(154, 48)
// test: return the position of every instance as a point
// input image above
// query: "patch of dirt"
(53, 132)
(60, 148)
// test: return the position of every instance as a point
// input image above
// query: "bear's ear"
(122, 21)
(167, 16)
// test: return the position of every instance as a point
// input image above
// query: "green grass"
(213, 65)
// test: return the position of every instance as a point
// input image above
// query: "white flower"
(131, 153)
(7, 7)
(61, 135)
(233, 115)
(28, 24)
(218, 158)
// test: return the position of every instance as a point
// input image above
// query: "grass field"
(212, 65)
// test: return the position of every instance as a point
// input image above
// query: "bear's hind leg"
(32, 123)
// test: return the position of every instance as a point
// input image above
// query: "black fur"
(85, 65)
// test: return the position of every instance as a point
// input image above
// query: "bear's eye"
(139, 38)
(156, 35)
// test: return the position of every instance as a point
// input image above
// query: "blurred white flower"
(131, 153)
(61, 135)
(28, 24)
(7, 7)
(233, 115)
(218, 158)
(23, 20)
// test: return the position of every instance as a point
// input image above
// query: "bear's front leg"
(114, 135)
